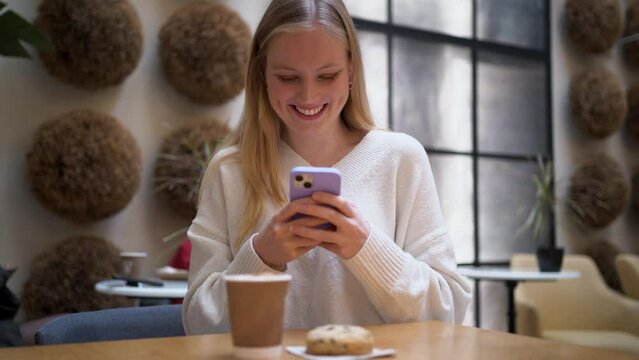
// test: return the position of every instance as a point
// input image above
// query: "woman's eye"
(287, 78)
(328, 76)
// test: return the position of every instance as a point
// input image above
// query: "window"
(470, 79)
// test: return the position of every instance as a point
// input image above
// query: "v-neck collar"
(351, 165)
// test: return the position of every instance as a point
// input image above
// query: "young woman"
(389, 258)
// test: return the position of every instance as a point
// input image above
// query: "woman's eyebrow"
(288, 68)
(329, 66)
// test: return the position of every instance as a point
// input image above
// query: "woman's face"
(307, 75)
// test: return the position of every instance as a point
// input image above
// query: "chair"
(582, 311)
(113, 324)
(628, 269)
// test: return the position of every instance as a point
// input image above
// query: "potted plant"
(541, 217)
(14, 30)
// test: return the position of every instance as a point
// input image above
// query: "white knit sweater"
(406, 270)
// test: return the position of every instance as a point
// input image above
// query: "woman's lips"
(309, 113)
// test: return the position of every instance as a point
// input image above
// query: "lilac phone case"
(305, 180)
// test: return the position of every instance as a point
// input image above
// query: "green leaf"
(16, 26)
(11, 47)
(2, 5)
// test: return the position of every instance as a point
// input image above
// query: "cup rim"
(257, 277)
(138, 254)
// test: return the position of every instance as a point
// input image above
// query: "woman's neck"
(327, 148)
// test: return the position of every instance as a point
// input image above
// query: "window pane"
(432, 93)
(374, 10)
(452, 17)
(511, 105)
(519, 22)
(453, 177)
(375, 53)
(506, 196)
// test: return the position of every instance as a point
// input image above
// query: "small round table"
(170, 289)
(511, 278)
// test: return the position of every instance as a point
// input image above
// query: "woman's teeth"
(310, 112)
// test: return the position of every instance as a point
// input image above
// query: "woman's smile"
(309, 112)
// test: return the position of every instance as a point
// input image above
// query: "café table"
(170, 289)
(511, 278)
(429, 340)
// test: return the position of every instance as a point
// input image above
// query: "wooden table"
(511, 278)
(422, 340)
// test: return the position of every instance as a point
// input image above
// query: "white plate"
(171, 273)
(301, 352)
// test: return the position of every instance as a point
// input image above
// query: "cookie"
(339, 340)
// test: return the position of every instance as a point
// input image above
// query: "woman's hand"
(351, 229)
(277, 245)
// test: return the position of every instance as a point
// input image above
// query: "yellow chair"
(582, 311)
(628, 269)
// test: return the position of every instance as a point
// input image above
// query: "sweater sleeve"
(417, 280)
(205, 309)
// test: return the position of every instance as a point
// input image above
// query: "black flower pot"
(550, 259)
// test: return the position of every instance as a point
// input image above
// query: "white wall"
(145, 103)
(571, 147)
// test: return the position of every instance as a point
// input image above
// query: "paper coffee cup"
(256, 309)
(132, 263)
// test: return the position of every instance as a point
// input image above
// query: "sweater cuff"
(247, 261)
(379, 263)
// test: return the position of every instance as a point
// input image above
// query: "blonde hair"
(258, 134)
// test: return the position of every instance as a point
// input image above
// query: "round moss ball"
(598, 103)
(98, 43)
(631, 48)
(632, 120)
(598, 191)
(62, 279)
(204, 52)
(84, 166)
(594, 25)
(184, 155)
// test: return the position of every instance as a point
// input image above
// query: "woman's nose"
(308, 90)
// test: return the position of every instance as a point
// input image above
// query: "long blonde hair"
(258, 134)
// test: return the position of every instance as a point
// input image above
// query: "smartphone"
(305, 180)
(136, 281)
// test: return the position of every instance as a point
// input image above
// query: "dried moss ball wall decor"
(598, 191)
(98, 43)
(594, 25)
(62, 279)
(632, 120)
(598, 102)
(631, 41)
(204, 51)
(84, 165)
(183, 157)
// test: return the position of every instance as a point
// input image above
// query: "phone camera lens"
(307, 184)
(299, 178)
